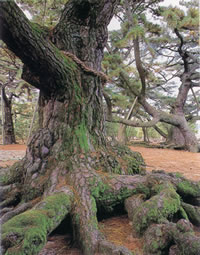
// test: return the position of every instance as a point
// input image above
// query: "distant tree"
(14, 91)
(7, 76)
(147, 79)
(8, 132)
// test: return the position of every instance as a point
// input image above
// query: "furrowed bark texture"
(69, 168)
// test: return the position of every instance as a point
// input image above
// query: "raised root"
(18, 210)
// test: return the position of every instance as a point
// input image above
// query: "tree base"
(101, 181)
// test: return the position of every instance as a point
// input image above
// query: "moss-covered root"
(92, 191)
(189, 191)
(186, 241)
(193, 213)
(26, 233)
(159, 208)
(171, 238)
(157, 239)
(11, 175)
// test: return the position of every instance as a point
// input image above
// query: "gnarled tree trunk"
(63, 171)
(182, 135)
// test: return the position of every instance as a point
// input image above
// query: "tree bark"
(175, 137)
(69, 167)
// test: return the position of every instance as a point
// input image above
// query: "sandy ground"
(187, 163)
(9, 154)
(184, 162)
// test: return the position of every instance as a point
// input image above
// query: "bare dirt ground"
(9, 154)
(116, 229)
(184, 162)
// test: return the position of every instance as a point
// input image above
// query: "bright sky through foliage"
(115, 25)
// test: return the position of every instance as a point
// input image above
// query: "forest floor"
(117, 229)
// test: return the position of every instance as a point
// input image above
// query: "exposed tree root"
(26, 233)
(4, 190)
(193, 213)
(6, 209)
(160, 206)
(172, 237)
(18, 210)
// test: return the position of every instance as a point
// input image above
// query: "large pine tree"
(69, 167)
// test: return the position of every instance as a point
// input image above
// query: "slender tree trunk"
(2, 116)
(122, 135)
(9, 134)
(183, 136)
(145, 135)
(191, 142)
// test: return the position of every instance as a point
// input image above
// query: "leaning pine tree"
(69, 167)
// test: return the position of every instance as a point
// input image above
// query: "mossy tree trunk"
(63, 171)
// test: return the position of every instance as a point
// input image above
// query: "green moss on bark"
(157, 209)
(27, 232)
(193, 213)
(107, 198)
(81, 137)
(189, 188)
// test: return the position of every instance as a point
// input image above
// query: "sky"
(114, 24)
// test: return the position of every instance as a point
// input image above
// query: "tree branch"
(38, 54)
(132, 123)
